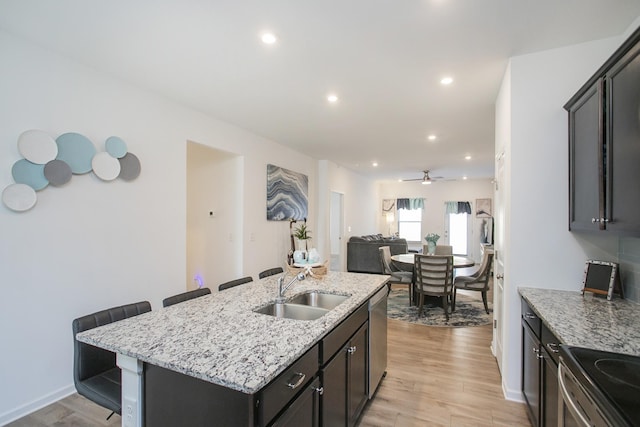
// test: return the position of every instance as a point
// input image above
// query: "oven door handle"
(566, 399)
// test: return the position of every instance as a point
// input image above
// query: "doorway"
(336, 221)
(457, 232)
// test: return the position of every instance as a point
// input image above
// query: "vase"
(300, 257)
(313, 256)
(431, 248)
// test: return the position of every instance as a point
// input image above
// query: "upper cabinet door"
(586, 181)
(623, 144)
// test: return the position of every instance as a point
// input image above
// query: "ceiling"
(384, 59)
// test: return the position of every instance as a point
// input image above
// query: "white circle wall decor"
(57, 172)
(37, 146)
(25, 172)
(77, 151)
(19, 197)
(105, 166)
(116, 147)
(130, 167)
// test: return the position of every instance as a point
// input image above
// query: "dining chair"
(440, 250)
(397, 276)
(270, 272)
(236, 282)
(185, 296)
(434, 277)
(478, 281)
(95, 373)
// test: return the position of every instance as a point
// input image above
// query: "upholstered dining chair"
(478, 281)
(397, 276)
(95, 373)
(434, 277)
(185, 296)
(270, 272)
(236, 282)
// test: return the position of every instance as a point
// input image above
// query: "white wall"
(541, 251)
(435, 196)
(90, 245)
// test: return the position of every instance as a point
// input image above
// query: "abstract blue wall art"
(287, 194)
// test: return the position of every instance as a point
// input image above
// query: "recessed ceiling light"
(268, 38)
(446, 80)
(374, 164)
(431, 137)
(464, 177)
(332, 98)
(426, 182)
(467, 157)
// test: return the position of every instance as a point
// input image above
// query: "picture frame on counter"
(602, 278)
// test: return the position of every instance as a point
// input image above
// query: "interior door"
(336, 231)
(498, 265)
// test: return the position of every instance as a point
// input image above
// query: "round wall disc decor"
(19, 197)
(37, 146)
(105, 166)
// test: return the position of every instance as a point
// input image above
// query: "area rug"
(469, 311)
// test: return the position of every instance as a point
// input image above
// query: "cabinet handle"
(595, 220)
(530, 316)
(604, 220)
(301, 378)
(553, 347)
(352, 349)
(537, 352)
(319, 390)
(499, 276)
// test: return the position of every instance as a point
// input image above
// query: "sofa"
(363, 255)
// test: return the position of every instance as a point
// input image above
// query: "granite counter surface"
(588, 321)
(218, 337)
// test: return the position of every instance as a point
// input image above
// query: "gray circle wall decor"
(19, 197)
(129, 167)
(57, 172)
(25, 172)
(55, 161)
(37, 146)
(77, 151)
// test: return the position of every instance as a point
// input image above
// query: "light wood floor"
(435, 377)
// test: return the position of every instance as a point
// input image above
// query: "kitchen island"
(219, 339)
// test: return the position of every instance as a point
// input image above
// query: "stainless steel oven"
(597, 388)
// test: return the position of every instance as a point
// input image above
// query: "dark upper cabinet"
(604, 146)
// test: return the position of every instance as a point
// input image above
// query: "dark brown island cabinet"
(540, 351)
(327, 386)
(604, 146)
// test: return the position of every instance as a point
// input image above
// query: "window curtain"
(457, 207)
(412, 204)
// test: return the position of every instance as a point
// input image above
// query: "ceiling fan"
(426, 179)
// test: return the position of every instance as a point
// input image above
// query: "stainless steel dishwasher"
(377, 339)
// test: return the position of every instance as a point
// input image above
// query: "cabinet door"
(334, 383)
(304, 411)
(549, 391)
(586, 150)
(623, 144)
(357, 374)
(531, 373)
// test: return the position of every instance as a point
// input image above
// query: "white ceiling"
(384, 59)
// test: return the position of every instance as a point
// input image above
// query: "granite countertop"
(589, 321)
(218, 338)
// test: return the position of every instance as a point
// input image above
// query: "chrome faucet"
(282, 289)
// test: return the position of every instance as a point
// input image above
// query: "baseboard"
(34, 405)
(513, 395)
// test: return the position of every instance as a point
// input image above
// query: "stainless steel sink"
(293, 311)
(319, 299)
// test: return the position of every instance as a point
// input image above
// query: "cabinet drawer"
(275, 396)
(341, 334)
(531, 318)
(550, 343)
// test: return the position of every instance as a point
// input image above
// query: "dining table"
(405, 261)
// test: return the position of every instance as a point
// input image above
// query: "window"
(410, 224)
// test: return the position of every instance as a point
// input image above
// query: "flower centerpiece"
(432, 239)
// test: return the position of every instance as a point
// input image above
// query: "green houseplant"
(302, 234)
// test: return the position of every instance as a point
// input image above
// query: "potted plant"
(302, 234)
